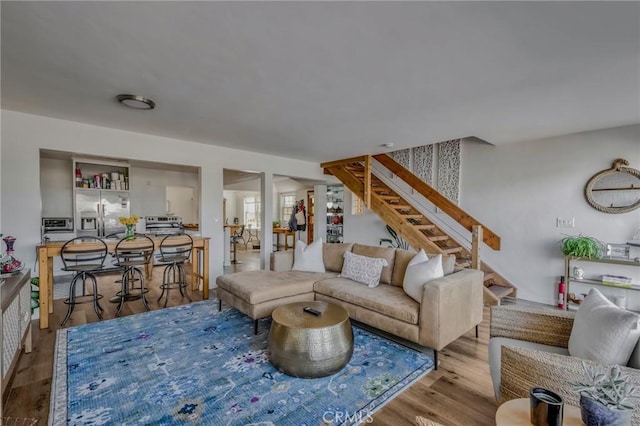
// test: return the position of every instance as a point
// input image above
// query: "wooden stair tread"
(400, 206)
(412, 216)
(451, 250)
(389, 197)
(500, 291)
(438, 237)
(489, 275)
(421, 226)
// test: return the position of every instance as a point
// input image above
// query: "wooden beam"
(439, 200)
(476, 238)
(367, 181)
(343, 162)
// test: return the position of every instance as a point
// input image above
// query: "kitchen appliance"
(98, 211)
(56, 229)
(163, 225)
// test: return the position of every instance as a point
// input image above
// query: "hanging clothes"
(298, 219)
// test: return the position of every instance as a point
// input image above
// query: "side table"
(518, 412)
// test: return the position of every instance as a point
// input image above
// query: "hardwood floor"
(458, 393)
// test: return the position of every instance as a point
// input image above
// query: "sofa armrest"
(522, 369)
(450, 307)
(281, 260)
(532, 323)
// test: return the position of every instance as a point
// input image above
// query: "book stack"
(616, 281)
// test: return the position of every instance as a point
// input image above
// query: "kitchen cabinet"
(335, 213)
(621, 265)
(15, 322)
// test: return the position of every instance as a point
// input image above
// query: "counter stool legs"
(128, 282)
(71, 301)
(173, 277)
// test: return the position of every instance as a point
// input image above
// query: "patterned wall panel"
(423, 163)
(403, 157)
(449, 169)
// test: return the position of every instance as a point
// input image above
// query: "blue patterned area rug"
(194, 365)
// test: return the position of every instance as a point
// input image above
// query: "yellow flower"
(132, 220)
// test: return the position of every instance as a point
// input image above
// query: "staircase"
(413, 225)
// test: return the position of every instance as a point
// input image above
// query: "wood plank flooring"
(458, 393)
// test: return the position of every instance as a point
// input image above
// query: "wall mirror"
(614, 190)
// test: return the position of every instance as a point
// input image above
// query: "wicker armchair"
(521, 368)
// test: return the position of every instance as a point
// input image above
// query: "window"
(252, 212)
(287, 203)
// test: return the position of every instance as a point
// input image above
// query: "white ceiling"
(327, 80)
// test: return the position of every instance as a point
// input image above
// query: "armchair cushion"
(603, 332)
(495, 355)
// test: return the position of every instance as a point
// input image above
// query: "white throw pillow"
(418, 274)
(363, 269)
(308, 258)
(603, 332)
(420, 257)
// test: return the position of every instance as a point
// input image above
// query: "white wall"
(23, 135)
(519, 190)
(149, 189)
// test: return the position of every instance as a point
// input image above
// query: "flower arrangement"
(128, 221)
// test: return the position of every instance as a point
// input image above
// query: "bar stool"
(130, 255)
(83, 256)
(237, 235)
(253, 237)
(175, 250)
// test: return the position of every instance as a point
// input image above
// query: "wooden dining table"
(47, 251)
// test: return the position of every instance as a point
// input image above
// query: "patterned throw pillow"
(363, 269)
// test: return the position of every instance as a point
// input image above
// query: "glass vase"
(130, 233)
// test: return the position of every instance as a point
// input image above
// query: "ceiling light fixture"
(388, 145)
(135, 101)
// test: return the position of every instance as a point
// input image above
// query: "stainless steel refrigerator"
(97, 212)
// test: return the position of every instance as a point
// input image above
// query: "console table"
(15, 323)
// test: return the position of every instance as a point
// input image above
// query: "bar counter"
(47, 251)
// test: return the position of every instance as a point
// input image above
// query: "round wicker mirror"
(615, 190)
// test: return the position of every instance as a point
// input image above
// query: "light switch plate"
(563, 222)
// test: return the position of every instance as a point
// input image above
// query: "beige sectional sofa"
(450, 305)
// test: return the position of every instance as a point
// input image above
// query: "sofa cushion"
(308, 258)
(387, 253)
(363, 269)
(419, 273)
(448, 263)
(385, 299)
(333, 255)
(603, 332)
(403, 257)
(260, 286)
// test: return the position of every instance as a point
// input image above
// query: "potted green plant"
(606, 400)
(582, 246)
(276, 223)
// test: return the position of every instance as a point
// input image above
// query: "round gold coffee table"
(308, 346)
